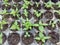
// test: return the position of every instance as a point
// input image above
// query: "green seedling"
(4, 12)
(38, 14)
(0, 38)
(5, 2)
(58, 11)
(58, 3)
(15, 26)
(41, 26)
(15, 12)
(3, 22)
(52, 23)
(49, 4)
(37, 4)
(25, 12)
(27, 34)
(27, 24)
(26, 4)
(41, 37)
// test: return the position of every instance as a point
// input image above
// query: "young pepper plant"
(27, 24)
(25, 12)
(4, 12)
(15, 12)
(3, 22)
(52, 23)
(58, 4)
(5, 2)
(41, 37)
(37, 4)
(15, 26)
(41, 26)
(38, 14)
(58, 11)
(1, 38)
(49, 4)
(26, 4)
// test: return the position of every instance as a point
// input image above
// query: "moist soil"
(35, 6)
(4, 38)
(57, 15)
(54, 1)
(48, 15)
(17, 0)
(35, 0)
(45, 0)
(6, 7)
(27, 40)
(13, 39)
(54, 37)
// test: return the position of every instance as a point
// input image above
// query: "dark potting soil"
(57, 15)
(4, 38)
(48, 15)
(13, 39)
(35, 6)
(54, 1)
(54, 37)
(45, 0)
(27, 40)
(5, 26)
(17, 0)
(6, 7)
(50, 26)
(35, 0)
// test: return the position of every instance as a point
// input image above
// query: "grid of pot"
(42, 13)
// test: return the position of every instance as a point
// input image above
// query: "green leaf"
(43, 40)
(47, 37)
(41, 28)
(0, 38)
(37, 38)
(35, 24)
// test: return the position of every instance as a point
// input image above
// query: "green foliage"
(58, 3)
(52, 23)
(38, 14)
(15, 26)
(41, 37)
(26, 4)
(0, 38)
(4, 12)
(3, 22)
(49, 4)
(58, 11)
(5, 2)
(15, 12)
(41, 26)
(27, 24)
(27, 34)
(25, 12)
(37, 4)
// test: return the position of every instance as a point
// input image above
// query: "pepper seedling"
(25, 12)
(41, 26)
(26, 4)
(49, 4)
(58, 4)
(53, 23)
(58, 11)
(27, 24)
(15, 26)
(27, 34)
(5, 2)
(38, 14)
(1, 38)
(37, 4)
(41, 37)
(15, 12)
(4, 12)
(3, 22)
